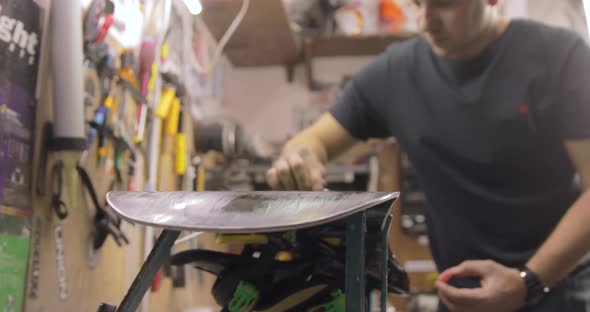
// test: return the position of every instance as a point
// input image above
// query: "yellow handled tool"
(173, 117)
(180, 154)
(166, 99)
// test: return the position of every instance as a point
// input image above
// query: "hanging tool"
(95, 32)
(98, 81)
(129, 82)
(57, 181)
(172, 117)
(92, 86)
(172, 88)
(106, 222)
(121, 146)
(181, 147)
(97, 22)
(174, 128)
(127, 78)
(98, 90)
(224, 136)
(100, 118)
(166, 100)
(147, 69)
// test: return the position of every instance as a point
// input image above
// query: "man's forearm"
(566, 246)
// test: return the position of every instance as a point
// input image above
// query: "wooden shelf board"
(353, 45)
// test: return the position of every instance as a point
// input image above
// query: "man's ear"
(492, 2)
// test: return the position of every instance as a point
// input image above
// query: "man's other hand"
(502, 289)
(300, 169)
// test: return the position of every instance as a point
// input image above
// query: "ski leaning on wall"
(19, 55)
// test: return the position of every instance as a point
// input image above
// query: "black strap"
(47, 135)
(58, 205)
(106, 221)
(89, 187)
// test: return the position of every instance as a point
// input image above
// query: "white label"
(415, 266)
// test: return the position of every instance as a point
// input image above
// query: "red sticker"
(445, 276)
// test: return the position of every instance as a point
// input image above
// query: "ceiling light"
(193, 6)
(587, 14)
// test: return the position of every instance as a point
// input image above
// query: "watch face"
(536, 291)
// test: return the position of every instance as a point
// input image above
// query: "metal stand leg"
(384, 268)
(355, 262)
(107, 308)
(144, 278)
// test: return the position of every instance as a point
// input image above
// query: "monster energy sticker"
(19, 50)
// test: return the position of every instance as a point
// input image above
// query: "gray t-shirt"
(485, 135)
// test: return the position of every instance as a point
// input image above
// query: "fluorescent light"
(587, 14)
(193, 6)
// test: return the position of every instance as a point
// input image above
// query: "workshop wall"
(63, 275)
(564, 13)
(264, 102)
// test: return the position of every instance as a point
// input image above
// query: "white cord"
(229, 33)
(187, 238)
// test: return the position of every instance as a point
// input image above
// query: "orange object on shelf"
(350, 20)
(391, 16)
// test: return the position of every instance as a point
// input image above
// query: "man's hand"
(502, 288)
(300, 169)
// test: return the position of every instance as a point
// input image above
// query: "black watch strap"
(536, 290)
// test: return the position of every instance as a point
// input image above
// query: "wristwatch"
(535, 289)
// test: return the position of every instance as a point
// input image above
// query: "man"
(495, 117)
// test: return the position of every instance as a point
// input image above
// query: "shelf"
(353, 45)
(263, 38)
(343, 46)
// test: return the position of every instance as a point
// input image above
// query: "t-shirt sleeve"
(357, 107)
(571, 113)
